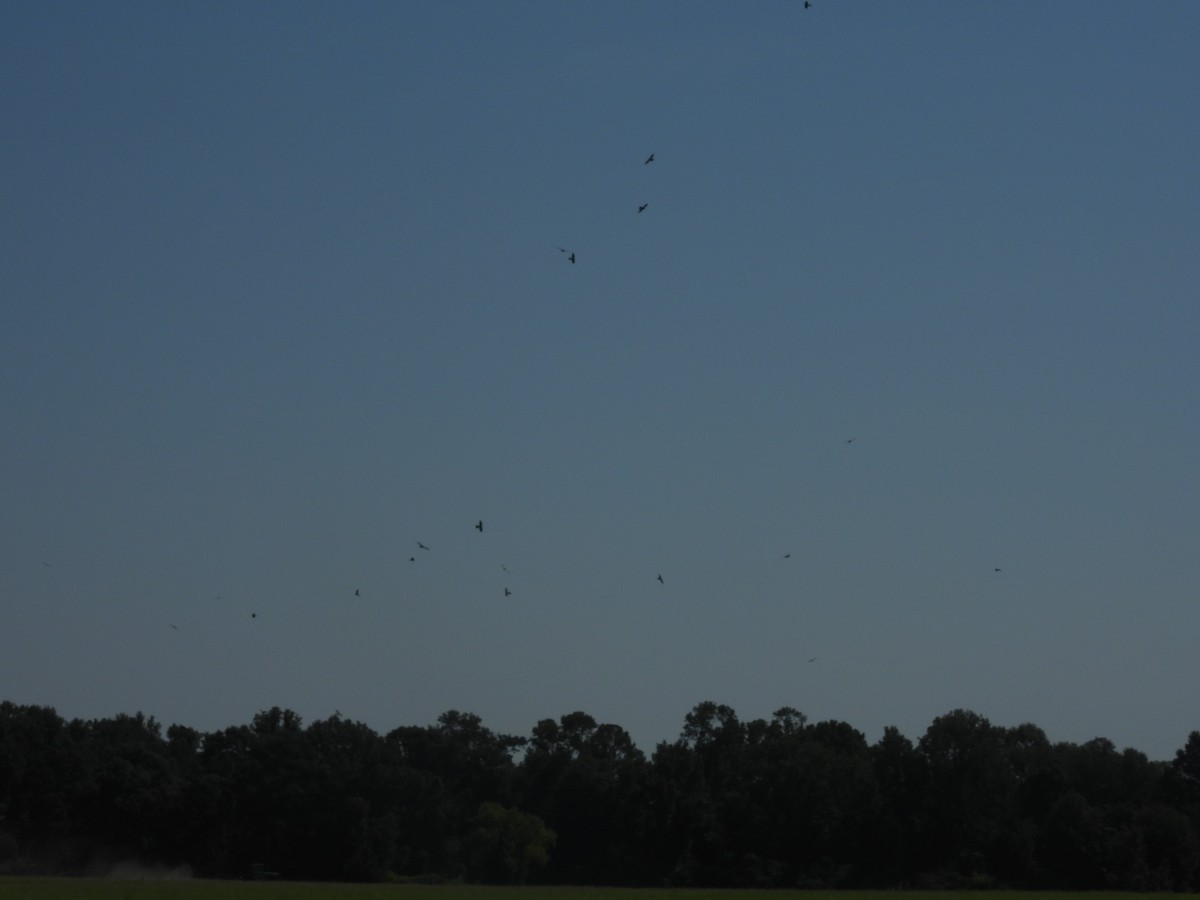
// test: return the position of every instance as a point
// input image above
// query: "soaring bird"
(356, 592)
(848, 441)
(503, 567)
(479, 525)
(995, 570)
(572, 258)
(254, 615)
(649, 160)
(176, 627)
(660, 580)
(787, 556)
(422, 546)
(807, 4)
(507, 592)
(642, 208)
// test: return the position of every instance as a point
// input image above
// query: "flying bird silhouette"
(787, 556)
(660, 579)
(479, 525)
(848, 441)
(572, 258)
(503, 567)
(642, 208)
(507, 592)
(356, 592)
(649, 160)
(422, 546)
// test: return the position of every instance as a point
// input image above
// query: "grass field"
(195, 889)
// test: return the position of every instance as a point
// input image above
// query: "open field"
(194, 889)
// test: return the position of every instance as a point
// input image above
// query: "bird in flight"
(254, 615)
(807, 4)
(660, 578)
(176, 627)
(356, 592)
(642, 208)
(649, 160)
(812, 659)
(572, 258)
(503, 567)
(412, 559)
(479, 525)
(848, 441)
(422, 546)
(507, 592)
(787, 556)
(995, 570)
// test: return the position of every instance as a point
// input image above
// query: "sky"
(894, 382)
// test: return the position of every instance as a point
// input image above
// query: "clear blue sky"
(282, 296)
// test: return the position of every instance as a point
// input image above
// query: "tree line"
(766, 803)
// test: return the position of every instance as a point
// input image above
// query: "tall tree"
(969, 806)
(587, 781)
(902, 777)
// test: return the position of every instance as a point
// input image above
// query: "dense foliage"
(731, 803)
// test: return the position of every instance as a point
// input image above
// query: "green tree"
(464, 764)
(130, 787)
(702, 791)
(587, 781)
(813, 799)
(970, 804)
(37, 771)
(506, 845)
(901, 776)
